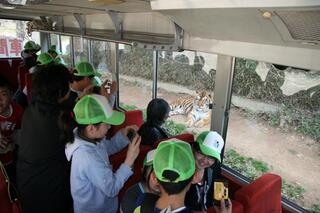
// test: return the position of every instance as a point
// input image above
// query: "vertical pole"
(72, 51)
(90, 51)
(222, 95)
(115, 69)
(60, 44)
(155, 73)
(44, 41)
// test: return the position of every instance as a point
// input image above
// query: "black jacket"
(151, 133)
(197, 199)
(43, 172)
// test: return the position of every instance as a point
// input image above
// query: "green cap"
(84, 69)
(148, 160)
(53, 48)
(59, 60)
(211, 144)
(174, 155)
(93, 109)
(96, 81)
(44, 58)
(31, 45)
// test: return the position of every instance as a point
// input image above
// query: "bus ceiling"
(283, 32)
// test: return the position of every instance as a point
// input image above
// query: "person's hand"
(133, 151)
(113, 87)
(126, 130)
(4, 142)
(223, 208)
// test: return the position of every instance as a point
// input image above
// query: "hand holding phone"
(131, 134)
(221, 192)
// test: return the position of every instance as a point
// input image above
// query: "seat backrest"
(117, 159)
(262, 195)
(7, 204)
(187, 137)
(9, 71)
(133, 117)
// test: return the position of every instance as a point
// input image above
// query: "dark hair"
(146, 174)
(5, 84)
(173, 187)
(157, 111)
(50, 83)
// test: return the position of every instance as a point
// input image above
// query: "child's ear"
(154, 179)
(198, 175)
(91, 129)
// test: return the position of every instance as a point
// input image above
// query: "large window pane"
(80, 49)
(274, 127)
(66, 53)
(13, 36)
(135, 77)
(101, 58)
(186, 82)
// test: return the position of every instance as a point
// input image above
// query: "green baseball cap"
(93, 109)
(59, 60)
(96, 81)
(174, 155)
(148, 160)
(31, 45)
(44, 58)
(53, 48)
(211, 144)
(84, 69)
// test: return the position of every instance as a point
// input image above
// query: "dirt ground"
(294, 157)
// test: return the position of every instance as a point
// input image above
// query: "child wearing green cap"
(135, 195)
(174, 171)
(54, 53)
(207, 150)
(94, 186)
(83, 84)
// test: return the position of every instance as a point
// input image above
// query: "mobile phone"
(221, 192)
(131, 134)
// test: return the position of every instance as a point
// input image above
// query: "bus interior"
(258, 62)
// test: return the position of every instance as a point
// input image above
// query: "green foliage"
(316, 208)
(292, 191)
(253, 169)
(174, 128)
(302, 121)
(274, 119)
(128, 107)
(247, 166)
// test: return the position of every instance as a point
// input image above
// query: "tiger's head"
(202, 101)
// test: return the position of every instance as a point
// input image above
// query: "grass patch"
(253, 169)
(247, 166)
(291, 118)
(174, 128)
(316, 208)
(128, 107)
(292, 191)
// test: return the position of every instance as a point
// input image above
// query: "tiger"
(196, 108)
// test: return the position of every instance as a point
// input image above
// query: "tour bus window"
(13, 36)
(274, 127)
(101, 58)
(186, 82)
(54, 40)
(66, 53)
(80, 47)
(135, 86)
